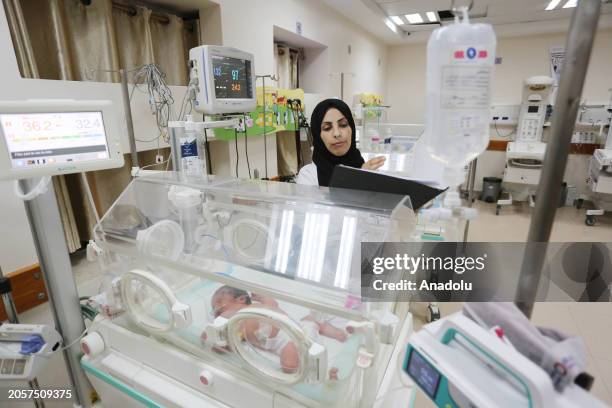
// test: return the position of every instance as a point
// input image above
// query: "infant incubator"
(229, 293)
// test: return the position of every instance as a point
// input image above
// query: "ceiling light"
(415, 18)
(431, 16)
(570, 3)
(397, 20)
(391, 26)
(552, 5)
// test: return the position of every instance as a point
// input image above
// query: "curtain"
(66, 40)
(286, 146)
(134, 34)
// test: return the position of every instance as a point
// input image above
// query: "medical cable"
(75, 341)
(499, 134)
(206, 149)
(237, 156)
(159, 96)
(41, 188)
(246, 148)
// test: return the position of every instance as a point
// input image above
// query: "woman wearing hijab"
(333, 134)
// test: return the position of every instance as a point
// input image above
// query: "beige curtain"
(287, 72)
(71, 41)
(169, 48)
(134, 34)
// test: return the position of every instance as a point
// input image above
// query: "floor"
(592, 322)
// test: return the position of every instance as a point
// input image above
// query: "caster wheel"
(590, 220)
(433, 313)
(579, 203)
(497, 209)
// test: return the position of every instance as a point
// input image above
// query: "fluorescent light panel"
(391, 26)
(570, 4)
(345, 254)
(284, 242)
(552, 5)
(397, 20)
(414, 18)
(431, 16)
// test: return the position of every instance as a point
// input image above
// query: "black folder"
(420, 193)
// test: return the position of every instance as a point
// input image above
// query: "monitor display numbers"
(423, 373)
(35, 139)
(232, 77)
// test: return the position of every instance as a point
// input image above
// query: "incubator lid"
(272, 238)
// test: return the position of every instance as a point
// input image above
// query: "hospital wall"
(249, 25)
(521, 57)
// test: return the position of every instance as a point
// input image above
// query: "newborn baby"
(228, 300)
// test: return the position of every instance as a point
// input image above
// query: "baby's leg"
(331, 331)
(325, 329)
(289, 359)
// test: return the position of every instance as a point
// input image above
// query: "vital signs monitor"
(224, 79)
(52, 137)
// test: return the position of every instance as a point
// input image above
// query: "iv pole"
(579, 44)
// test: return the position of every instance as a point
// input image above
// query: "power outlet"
(159, 159)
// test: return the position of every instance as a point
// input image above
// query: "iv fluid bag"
(460, 59)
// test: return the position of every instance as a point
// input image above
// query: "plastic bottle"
(460, 59)
(187, 201)
(191, 164)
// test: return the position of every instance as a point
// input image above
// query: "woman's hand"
(374, 164)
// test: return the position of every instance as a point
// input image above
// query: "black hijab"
(323, 158)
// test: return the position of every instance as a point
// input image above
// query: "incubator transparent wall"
(378, 137)
(182, 256)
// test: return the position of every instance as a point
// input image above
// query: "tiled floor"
(593, 322)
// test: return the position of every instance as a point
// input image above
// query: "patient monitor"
(53, 137)
(224, 80)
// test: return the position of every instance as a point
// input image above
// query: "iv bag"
(460, 60)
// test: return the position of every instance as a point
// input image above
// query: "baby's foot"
(333, 374)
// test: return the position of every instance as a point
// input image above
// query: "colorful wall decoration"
(279, 116)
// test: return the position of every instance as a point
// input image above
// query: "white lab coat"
(308, 175)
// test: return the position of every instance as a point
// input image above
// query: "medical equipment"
(600, 181)
(458, 363)
(224, 79)
(191, 160)
(47, 138)
(50, 137)
(170, 342)
(460, 59)
(525, 156)
(25, 349)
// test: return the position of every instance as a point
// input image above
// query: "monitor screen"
(38, 139)
(232, 77)
(423, 373)
(533, 109)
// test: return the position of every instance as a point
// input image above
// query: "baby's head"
(227, 300)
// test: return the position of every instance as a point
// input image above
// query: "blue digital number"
(217, 71)
(235, 74)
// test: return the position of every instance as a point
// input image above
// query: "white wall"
(522, 57)
(249, 25)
